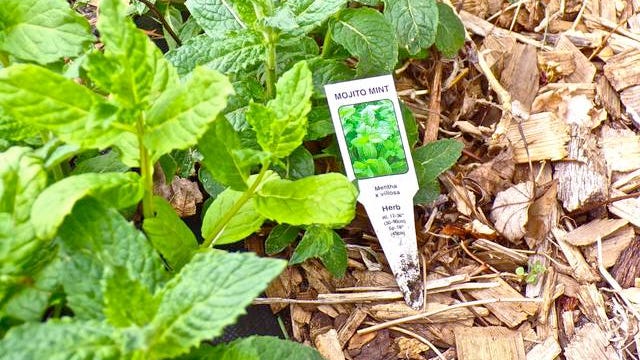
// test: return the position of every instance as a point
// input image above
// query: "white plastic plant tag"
(374, 146)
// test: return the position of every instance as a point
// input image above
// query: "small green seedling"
(533, 275)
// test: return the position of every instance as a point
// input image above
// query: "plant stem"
(146, 171)
(327, 43)
(270, 62)
(58, 174)
(162, 20)
(4, 59)
(236, 207)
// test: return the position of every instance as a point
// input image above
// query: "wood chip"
(328, 345)
(590, 342)
(492, 342)
(557, 63)
(351, 325)
(630, 97)
(589, 233)
(612, 247)
(410, 348)
(628, 209)
(584, 70)
(582, 178)
(546, 350)
(520, 76)
(512, 314)
(622, 70)
(621, 148)
(545, 138)
(627, 269)
(581, 269)
(608, 97)
(397, 310)
(592, 305)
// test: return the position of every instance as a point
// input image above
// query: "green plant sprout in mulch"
(532, 274)
(373, 139)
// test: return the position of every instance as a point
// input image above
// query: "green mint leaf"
(367, 35)
(239, 51)
(209, 293)
(94, 239)
(320, 124)
(328, 71)
(283, 20)
(435, 158)
(140, 71)
(415, 22)
(169, 235)
(293, 49)
(114, 189)
(410, 125)
(109, 162)
(293, 91)
(42, 31)
(428, 191)
(29, 301)
(61, 339)
(23, 178)
(40, 97)
(450, 35)
(183, 113)
(281, 236)
(310, 14)
(127, 301)
(244, 222)
(209, 183)
(217, 17)
(336, 259)
(327, 199)
(13, 130)
(316, 241)
(281, 125)
(218, 146)
(299, 164)
(255, 348)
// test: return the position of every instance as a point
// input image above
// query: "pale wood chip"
(549, 349)
(512, 314)
(545, 138)
(584, 70)
(328, 345)
(590, 342)
(612, 247)
(622, 70)
(621, 148)
(492, 342)
(589, 233)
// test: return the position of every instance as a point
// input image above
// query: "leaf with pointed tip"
(59, 339)
(218, 147)
(217, 17)
(183, 113)
(169, 235)
(42, 31)
(94, 239)
(310, 14)
(131, 68)
(367, 35)
(281, 125)
(327, 199)
(240, 51)
(450, 36)
(119, 190)
(40, 97)
(209, 293)
(415, 22)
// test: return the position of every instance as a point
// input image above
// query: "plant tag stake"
(374, 146)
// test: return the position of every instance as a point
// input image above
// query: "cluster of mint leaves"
(247, 93)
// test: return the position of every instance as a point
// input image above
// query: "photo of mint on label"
(373, 139)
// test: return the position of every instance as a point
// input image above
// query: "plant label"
(376, 153)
